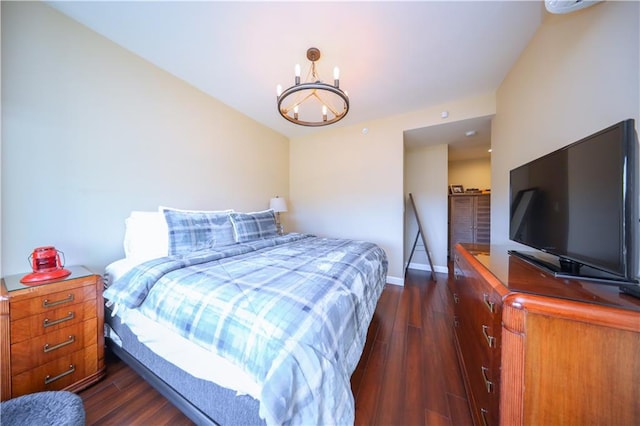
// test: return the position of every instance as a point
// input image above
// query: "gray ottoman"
(43, 409)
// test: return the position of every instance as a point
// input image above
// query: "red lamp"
(46, 265)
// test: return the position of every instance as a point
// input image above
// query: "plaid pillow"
(192, 230)
(253, 226)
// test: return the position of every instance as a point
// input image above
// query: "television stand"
(566, 266)
(571, 270)
(632, 289)
(569, 266)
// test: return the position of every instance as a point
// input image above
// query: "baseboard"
(395, 280)
(419, 267)
(424, 267)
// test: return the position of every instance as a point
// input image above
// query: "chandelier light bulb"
(336, 73)
(324, 113)
(297, 71)
(279, 90)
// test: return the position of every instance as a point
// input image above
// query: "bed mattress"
(203, 401)
(186, 355)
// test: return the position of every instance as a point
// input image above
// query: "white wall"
(91, 132)
(579, 74)
(344, 183)
(425, 171)
(473, 173)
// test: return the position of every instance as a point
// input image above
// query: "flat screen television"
(580, 205)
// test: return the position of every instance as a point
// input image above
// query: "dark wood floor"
(408, 374)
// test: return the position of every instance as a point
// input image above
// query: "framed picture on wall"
(456, 189)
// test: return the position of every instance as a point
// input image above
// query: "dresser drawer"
(481, 335)
(476, 297)
(57, 374)
(52, 320)
(40, 350)
(44, 301)
(478, 357)
(479, 301)
(478, 311)
(473, 340)
(483, 378)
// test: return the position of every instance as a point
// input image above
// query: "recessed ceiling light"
(471, 133)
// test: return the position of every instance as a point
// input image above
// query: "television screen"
(581, 203)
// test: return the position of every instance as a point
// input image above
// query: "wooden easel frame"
(424, 242)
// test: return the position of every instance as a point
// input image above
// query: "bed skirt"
(204, 402)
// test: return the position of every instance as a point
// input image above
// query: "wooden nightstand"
(52, 334)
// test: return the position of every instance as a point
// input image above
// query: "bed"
(236, 324)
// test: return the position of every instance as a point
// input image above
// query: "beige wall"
(347, 184)
(425, 177)
(579, 74)
(474, 173)
(91, 132)
(1, 272)
(344, 183)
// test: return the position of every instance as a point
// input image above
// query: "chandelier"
(313, 103)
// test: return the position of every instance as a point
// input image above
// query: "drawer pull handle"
(47, 304)
(483, 415)
(456, 298)
(48, 348)
(50, 379)
(490, 339)
(488, 383)
(456, 323)
(487, 302)
(47, 323)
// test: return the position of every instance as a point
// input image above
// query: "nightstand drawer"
(43, 302)
(57, 374)
(32, 353)
(55, 319)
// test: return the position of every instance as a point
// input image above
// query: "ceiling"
(467, 139)
(394, 57)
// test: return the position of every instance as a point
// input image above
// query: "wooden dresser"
(469, 219)
(52, 334)
(535, 349)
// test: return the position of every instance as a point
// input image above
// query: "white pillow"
(146, 236)
(161, 209)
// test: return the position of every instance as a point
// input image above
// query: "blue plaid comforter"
(293, 311)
